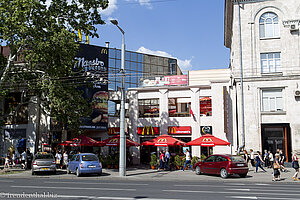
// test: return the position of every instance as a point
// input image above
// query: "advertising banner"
(165, 81)
(93, 61)
(148, 130)
(179, 130)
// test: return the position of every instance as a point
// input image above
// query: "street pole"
(122, 163)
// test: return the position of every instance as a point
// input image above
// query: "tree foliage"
(40, 33)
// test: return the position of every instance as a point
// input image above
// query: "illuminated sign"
(179, 130)
(206, 130)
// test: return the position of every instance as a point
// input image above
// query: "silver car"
(43, 162)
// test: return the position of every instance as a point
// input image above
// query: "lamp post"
(122, 163)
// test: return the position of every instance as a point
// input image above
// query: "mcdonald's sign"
(114, 140)
(207, 140)
(148, 130)
(179, 130)
(115, 131)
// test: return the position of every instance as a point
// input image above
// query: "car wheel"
(77, 172)
(243, 175)
(224, 173)
(198, 170)
(68, 170)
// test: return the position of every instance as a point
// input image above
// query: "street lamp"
(122, 163)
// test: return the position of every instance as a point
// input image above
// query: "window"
(272, 100)
(210, 159)
(220, 159)
(268, 25)
(149, 108)
(179, 107)
(270, 62)
(205, 106)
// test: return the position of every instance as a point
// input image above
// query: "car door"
(72, 163)
(208, 165)
(220, 162)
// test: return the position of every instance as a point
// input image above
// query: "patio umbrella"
(81, 140)
(115, 141)
(208, 140)
(164, 140)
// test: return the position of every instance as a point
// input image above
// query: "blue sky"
(190, 30)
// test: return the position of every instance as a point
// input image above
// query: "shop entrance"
(147, 151)
(277, 136)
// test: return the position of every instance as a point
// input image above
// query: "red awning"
(115, 141)
(81, 140)
(208, 141)
(164, 140)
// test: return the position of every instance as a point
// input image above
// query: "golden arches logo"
(111, 131)
(148, 130)
(172, 130)
(115, 140)
(104, 51)
(207, 140)
(161, 140)
(77, 141)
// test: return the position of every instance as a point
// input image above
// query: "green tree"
(40, 33)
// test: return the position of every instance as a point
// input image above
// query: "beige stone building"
(263, 36)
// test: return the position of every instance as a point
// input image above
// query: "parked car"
(223, 165)
(84, 163)
(43, 162)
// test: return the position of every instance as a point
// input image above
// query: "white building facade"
(263, 37)
(180, 111)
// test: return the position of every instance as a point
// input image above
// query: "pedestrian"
(276, 167)
(266, 158)
(252, 157)
(14, 158)
(6, 162)
(281, 161)
(246, 157)
(295, 165)
(271, 159)
(65, 158)
(188, 160)
(162, 160)
(259, 161)
(58, 157)
(23, 159)
(167, 159)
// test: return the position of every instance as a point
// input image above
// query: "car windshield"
(237, 159)
(44, 156)
(89, 158)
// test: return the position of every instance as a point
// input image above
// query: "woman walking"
(246, 157)
(259, 162)
(271, 159)
(295, 165)
(276, 167)
(162, 160)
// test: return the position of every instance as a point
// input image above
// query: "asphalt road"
(126, 189)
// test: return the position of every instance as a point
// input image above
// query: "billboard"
(93, 60)
(165, 81)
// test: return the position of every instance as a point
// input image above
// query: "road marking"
(108, 198)
(131, 184)
(238, 189)
(262, 184)
(237, 184)
(241, 197)
(72, 188)
(6, 181)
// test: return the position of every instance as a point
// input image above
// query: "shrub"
(153, 161)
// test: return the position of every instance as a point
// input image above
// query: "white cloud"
(184, 65)
(112, 7)
(143, 3)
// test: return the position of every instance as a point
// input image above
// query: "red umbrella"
(207, 140)
(164, 140)
(81, 140)
(115, 141)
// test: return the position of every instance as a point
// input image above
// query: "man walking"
(167, 158)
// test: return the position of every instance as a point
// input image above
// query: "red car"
(223, 165)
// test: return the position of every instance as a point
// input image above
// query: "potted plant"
(153, 161)
(109, 161)
(177, 161)
(116, 162)
(194, 160)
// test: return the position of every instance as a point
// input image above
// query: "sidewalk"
(149, 174)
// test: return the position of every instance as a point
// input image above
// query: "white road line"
(233, 192)
(241, 197)
(90, 183)
(6, 181)
(264, 184)
(72, 188)
(238, 189)
(247, 186)
(237, 184)
(273, 198)
(264, 190)
(108, 198)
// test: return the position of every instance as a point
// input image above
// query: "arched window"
(268, 25)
